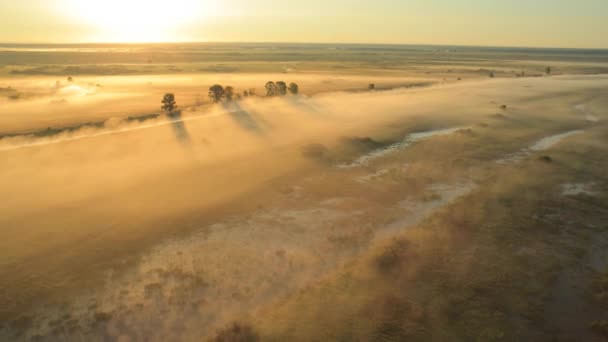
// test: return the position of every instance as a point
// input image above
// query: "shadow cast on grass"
(303, 103)
(242, 117)
(179, 128)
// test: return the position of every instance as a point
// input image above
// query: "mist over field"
(402, 193)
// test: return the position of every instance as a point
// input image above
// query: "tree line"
(219, 93)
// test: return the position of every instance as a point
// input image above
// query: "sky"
(530, 23)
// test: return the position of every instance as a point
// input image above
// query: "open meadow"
(424, 193)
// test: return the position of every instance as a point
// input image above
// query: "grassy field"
(494, 265)
(431, 208)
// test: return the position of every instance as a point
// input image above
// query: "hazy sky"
(557, 23)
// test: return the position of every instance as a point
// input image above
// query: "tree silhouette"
(293, 88)
(169, 104)
(229, 93)
(271, 89)
(281, 88)
(70, 79)
(548, 70)
(371, 86)
(216, 93)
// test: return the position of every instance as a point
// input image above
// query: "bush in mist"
(229, 93)
(548, 71)
(169, 103)
(271, 88)
(236, 332)
(294, 88)
(216, 93)
(492, 75)
(371, 86)
(250, 92)
(281, 88)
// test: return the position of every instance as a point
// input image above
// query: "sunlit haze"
(310, 170)
(135, 20)
(542, 23)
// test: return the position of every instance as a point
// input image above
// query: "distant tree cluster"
(250, 92)
(219, 93)
(280, 88)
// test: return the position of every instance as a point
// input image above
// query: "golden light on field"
(137, 20)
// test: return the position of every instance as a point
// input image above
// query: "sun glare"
(137, 20)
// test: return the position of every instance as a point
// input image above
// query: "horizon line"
(301, 43)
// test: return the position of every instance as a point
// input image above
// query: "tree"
(371, 86)
(271, 88)
(281, 88)
(492, 74)
(229, 93)
(216, 93)
(293, 88)
(245, 93)
(169, 104)
(548, 71)
(70, 79)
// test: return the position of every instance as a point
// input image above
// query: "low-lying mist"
(90, 193)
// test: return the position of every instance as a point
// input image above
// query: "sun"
(137, 20)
